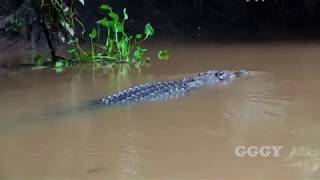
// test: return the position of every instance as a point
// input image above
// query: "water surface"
(47, 132)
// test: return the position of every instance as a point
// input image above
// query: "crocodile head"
(213, 76)
(228, 75)
(208, 77)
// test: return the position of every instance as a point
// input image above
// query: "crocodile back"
(148, 92)
(168, 89)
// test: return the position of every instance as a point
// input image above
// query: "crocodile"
(146, 92)
(157, 91)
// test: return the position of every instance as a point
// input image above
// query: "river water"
(48, 130)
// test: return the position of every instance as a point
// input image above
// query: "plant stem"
(117, 43)
(92, 51)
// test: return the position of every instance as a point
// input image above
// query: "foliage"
(39, 60)
(119, 46)
(60, 65)
(67, 19)
(13, 25)
(164, 55)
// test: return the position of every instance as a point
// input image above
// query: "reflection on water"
(47, 132)
(305, 158)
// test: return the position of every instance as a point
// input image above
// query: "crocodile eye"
(220, 75)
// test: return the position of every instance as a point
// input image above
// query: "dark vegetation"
(217, 19)
(58, 20)
(116, 29)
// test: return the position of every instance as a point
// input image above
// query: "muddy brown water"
(47, 133)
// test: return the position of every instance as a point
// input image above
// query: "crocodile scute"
(169, 89)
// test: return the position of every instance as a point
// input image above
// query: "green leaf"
(123, 44)
(138, 36)
(39, 60)
(59, 64)
(74, 52)
(125, 15)
(114, 16)
(139, 53)
(118, 27)
(93, 33)
(105, 7)
(164, 55)
(148, 30)
(104, 22)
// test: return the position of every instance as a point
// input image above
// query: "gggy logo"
(256, 151)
